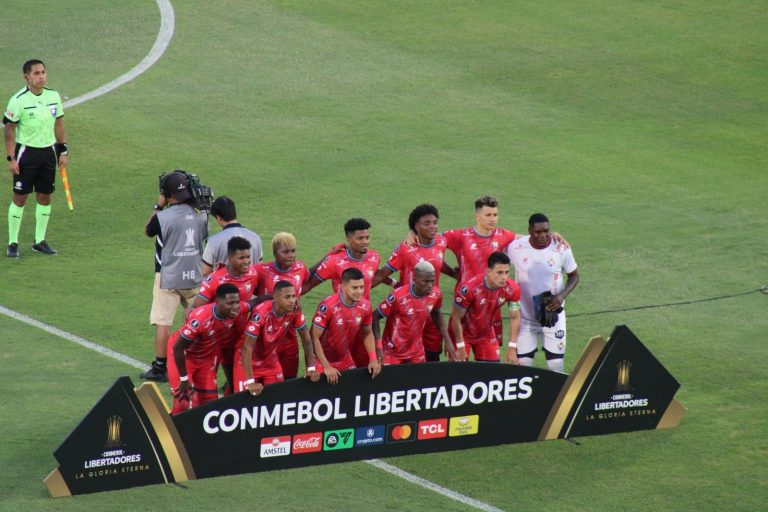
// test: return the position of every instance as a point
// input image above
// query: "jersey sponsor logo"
(369, 436)
(464, 425)
(340, 321)
(275, 446)
(433, 429)
(318, 319)
(187, 332)
(338, 439)
(401, 432)
(307, 443)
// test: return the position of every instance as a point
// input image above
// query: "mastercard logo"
(401, 432)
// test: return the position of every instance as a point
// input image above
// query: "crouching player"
(477, 304)
(339, 320)
(256, 360)
(407, 310)
(196, 347)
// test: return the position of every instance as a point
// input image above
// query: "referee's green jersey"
(35, 116)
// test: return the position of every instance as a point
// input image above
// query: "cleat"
(13, 250)
(44, 248)
(155, 373)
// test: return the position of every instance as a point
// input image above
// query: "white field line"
(161, 44)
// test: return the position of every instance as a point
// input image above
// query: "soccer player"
(35, 139)
(430, 247)
(357, 255)
(284, 267)
(237, 272)
(407, 310)
(339, 320)
(477, 301)
(196, 347)
(541, 265)
(224, 211)
(256, 362)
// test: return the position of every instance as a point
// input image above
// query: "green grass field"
(639, 127)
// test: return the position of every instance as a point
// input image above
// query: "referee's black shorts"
(37, 170)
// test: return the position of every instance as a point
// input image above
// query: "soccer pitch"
(638, 128)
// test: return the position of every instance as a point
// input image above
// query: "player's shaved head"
(356, 224)
(237, 243)
(536, 218)
(419, 212)
(489, 201)
(351, 274)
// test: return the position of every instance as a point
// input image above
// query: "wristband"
(61, 148)
(310, 368)
(460, 344)
(512, 344)
(248, 382)
(372, 357)
(379, 345)
(184, 378)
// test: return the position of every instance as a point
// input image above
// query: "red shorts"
(393, 359)
(343, 365)
(227, 353)
(487, 350)
(202, 378)
(288, 354)
(358, 351)
(498, 327)
(265, 375)
(431, 337)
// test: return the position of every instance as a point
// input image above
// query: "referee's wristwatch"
(10, 158)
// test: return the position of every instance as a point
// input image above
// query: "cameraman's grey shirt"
(216, 250)
(181, 235)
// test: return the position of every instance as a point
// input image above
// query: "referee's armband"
(514, 306)
(61, 149)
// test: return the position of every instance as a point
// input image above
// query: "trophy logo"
(622, 380)
(113, 432)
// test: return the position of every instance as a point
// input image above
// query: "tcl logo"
(306, 443)
(432, 429)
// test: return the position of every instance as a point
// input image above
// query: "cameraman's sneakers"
(13, 250)
(156, 373)
(44, 248)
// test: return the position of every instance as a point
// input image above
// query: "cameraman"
(180, 230)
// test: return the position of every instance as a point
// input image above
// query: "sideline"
(167, 23)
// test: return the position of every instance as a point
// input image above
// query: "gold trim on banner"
(56, 485)
(571, 389)
(673, 415)
(158, 413)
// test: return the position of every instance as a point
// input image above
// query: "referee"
(35, 139)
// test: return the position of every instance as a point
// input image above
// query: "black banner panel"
(129, 439)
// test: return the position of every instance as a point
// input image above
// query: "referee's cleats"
(44, 248)
(155, 373)
(13, 250)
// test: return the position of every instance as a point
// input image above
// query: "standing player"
(541, 265)
(237, 272)
(285, 267)
(224, 211)
(256, 362)
(407, 310)
(34, 139)
(478, 300)
(430, 247)
(196, 347)
(339, 320)
(359, 256)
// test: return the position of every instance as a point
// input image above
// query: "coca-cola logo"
(306, 443)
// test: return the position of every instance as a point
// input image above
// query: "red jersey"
(208, 332)
(482, 304)
(405, 257)
(341, 324)
(335, 264)
(246, 284)
(268, 328)
(472, 250)
(269, 274)
(406, 315)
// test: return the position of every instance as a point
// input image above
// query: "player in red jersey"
(407, 310)
(238, 272)
(256, 362)
(359, 256)
(430, 247)
(476, 304)
(196, 347)
(284, 267)
(339, 320)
